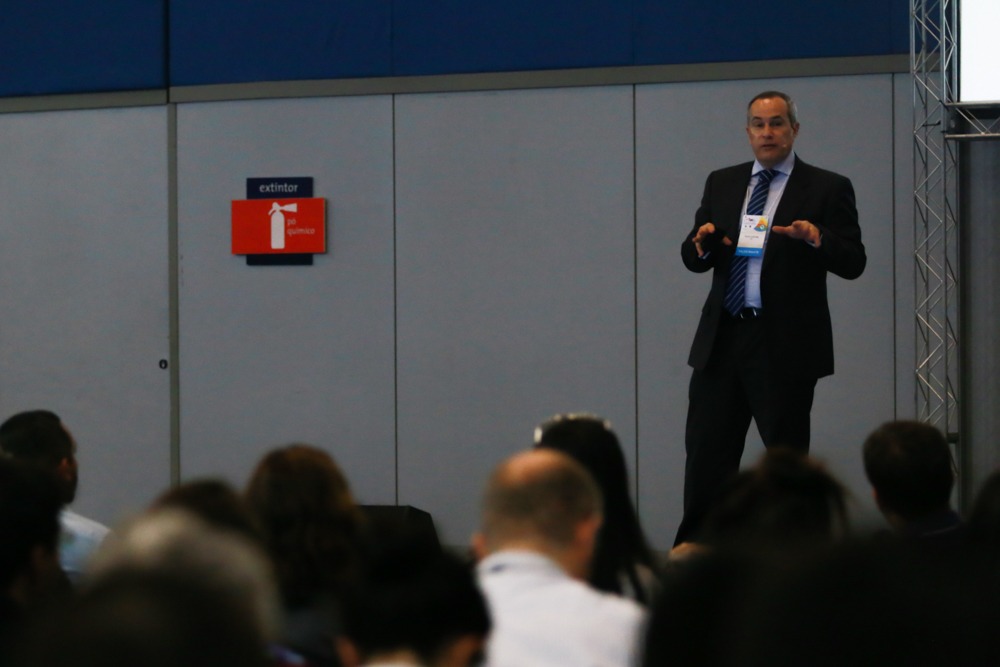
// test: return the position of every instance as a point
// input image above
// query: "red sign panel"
(278, 226)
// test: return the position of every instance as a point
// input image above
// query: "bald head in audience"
(541, 514)
(542, 501)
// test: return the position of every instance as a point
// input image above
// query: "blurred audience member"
(147, 617)
(699, 609)
(623, 562)
(311, 525)
(984, 519)
(787, 500)
(872, 604)
(413, 605)
(541, 515)
(29, 530)
(782, 510)
(39, 437)
(214, 501)
(176, 543)
(910, 468)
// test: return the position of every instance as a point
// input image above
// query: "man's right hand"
(702, 236)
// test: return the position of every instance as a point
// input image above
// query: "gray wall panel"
(683, 132)
(980, 278)
(272, 355)
(854, 135)
(515, 280)
(496, 257)
(83, 262)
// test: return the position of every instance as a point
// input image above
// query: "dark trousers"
(740, 383)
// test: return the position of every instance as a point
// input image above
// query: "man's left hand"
(802, 230)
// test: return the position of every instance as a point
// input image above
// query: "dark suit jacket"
(796, 315)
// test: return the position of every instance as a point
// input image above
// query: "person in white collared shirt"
(541, 514)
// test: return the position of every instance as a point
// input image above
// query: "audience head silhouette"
(623, 562)
(542, 500)
(412, 604)
(304, 506)
(910, 468)
(786, 500)
(39, 437)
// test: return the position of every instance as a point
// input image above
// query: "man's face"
(770, 131)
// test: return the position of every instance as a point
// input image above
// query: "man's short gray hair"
(177, 543)
(793, 111)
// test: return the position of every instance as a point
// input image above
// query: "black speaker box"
(416, 522)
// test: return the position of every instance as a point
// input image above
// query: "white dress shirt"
(79, 537)
(754, 264)
(544, 618)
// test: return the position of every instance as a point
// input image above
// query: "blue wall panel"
(446, 36)
(231, 41)
(67, 46)
(726, 31)
(235, 41)
(56, 46)
(899, 26)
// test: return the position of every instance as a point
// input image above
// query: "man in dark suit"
(770, 230)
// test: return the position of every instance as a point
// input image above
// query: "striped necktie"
(736, 285)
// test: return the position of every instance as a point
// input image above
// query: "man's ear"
(479, 548)
(347, 651)
(586, 530)
(66, 468)
(581, 554)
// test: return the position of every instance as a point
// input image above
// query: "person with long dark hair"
(623, 562)
(311, 524)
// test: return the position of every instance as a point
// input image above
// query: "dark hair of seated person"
(301, 499)
(214, 501)
(871, 603)
(37, 436)
(29, 517)
(30, 575)
(786, 500)
(698, 609)
(909, 464)
(984, 519)
(622, 553)
(412, 596)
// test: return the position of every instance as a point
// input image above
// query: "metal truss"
(933, 59)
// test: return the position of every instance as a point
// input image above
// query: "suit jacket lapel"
(791, 198)
(735, 197)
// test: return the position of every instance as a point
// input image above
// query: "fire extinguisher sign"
(279, 216)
